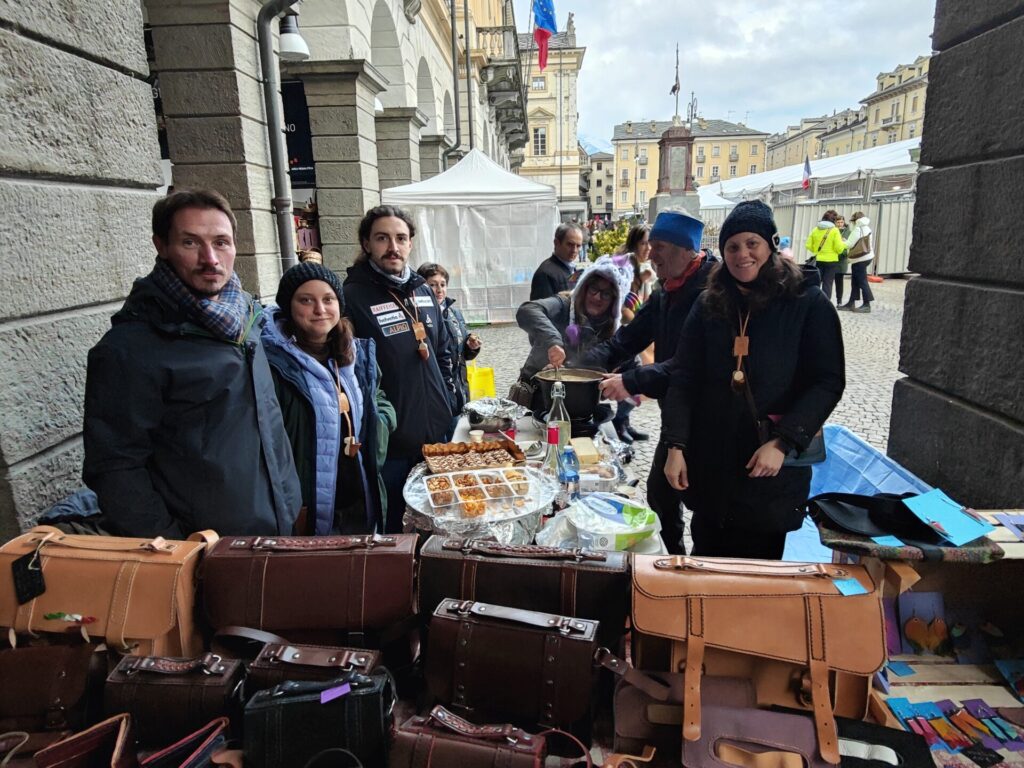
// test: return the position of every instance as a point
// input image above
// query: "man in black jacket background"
(391, 304)
(682, 271)
(552, 276)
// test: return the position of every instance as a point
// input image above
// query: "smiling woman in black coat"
(736, 408)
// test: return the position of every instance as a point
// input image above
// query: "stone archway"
(326, 28)
(386, 55)
(425, 99)
(449, 116)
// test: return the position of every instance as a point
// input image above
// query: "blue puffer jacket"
(309, 405)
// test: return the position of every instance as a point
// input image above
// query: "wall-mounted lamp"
(292, 47)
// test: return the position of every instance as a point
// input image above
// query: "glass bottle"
(551, 465)
(558, 415)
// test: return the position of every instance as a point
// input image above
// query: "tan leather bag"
(785, 626)
(136, 594)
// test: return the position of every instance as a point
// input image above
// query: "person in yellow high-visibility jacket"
(825, 243)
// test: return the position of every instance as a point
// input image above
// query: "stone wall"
(958, 419)
(78, 173)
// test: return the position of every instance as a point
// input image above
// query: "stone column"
(958, 418)
(432, 149)
(340, 97)
(398, 145)
(208, 62)
(80, 171)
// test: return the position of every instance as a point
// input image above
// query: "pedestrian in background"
(860, 257)
(786, 249)
(825, 244)
(758, 369)
(337, 418)
(638, 243)
(844, 265)
(552, 276)
(465, 345)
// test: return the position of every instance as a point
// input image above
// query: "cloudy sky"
(769, 61)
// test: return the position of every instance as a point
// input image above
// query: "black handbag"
(290, 724)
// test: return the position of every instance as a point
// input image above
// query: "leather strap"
(634, 677)
(208, 663)
(733, 755)
(119, 603)
(583, 749)
(208, 536)
(452, 722)
(312, 543)
(462, 673)
(159, 545)
(824, 719)
(249, 640)
(734, 567)
(630, 761)
(694, 668)
(10, 743)
(311, 656)
(530, 551)
(567, 625)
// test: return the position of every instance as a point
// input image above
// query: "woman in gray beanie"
(758, 369)
(337, 418)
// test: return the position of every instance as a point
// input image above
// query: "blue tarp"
(851, 466)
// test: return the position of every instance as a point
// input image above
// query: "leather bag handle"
(208, 664)
(343, 659)
(207, 536)
(531, 551)
(732, 567)
(50, 537)
(567, 625)
(653, 688)
(224, 642)
(452, 722)
(312, 543)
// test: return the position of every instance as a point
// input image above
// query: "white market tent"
(488, 227)
(711, 199)
(885, 160)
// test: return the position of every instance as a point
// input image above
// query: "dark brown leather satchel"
(47, 688)
(108, 744)
(278, 662)
(444, 739)
(359, 585)
(509, 664)
(170, 698)
(571, 582)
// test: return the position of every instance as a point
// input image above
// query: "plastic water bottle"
(569, 474)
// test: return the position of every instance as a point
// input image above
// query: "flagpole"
(677, 80)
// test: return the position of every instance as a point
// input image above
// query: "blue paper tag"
(849, 587)
(334, 693)
(901, 668)
(952, 521)
(887, 541)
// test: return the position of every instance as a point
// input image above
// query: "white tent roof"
(709, 198)
(885, 160)
(474, 180)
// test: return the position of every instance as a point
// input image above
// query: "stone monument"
(675, 177)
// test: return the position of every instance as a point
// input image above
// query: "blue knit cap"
(678, 229)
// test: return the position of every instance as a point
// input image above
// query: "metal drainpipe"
(455, 82)
(282, 202)
(469, 76)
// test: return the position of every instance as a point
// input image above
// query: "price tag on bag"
(335, 693)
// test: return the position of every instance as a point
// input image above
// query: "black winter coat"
(422, 391)
(550, 278)
(659, 321)
(461, 353)
(182, 430)
(796, 370)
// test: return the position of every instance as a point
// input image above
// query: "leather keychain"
(351, 443)
(740, 349)
(419, 331)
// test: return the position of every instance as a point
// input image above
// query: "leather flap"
(759, 608)
(114, 568)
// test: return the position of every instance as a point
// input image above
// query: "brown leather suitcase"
(498, 663)
(785, 626)
(443, 739)
(169, 698)
(589, 584)
(278, 662)
(358, 585)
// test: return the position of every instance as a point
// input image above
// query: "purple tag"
(334, 693)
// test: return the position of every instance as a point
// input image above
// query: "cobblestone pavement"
(872, 355)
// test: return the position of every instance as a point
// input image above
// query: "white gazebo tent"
(489, 228)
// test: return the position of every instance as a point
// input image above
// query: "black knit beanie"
(303, 273)
(749, 216)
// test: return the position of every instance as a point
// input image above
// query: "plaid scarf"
(224, 317)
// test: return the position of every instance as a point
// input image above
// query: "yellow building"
(844, 133)
(895, 111)
(721, 150)
(602, 184)
(552, 154)
(791, 146)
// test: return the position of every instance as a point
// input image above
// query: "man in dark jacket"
(182, 427)
(552, 276)
(682, 271)
(391, 304)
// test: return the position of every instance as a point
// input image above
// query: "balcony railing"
(734, 157)
(623, 182)
(642, 160)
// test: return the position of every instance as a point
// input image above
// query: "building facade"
(380, 89)
(602, 184)
(552, 155)
(721, 150)
(895, 111)
(844, 133)
(791, 146)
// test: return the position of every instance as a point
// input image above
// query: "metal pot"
(582, 390)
